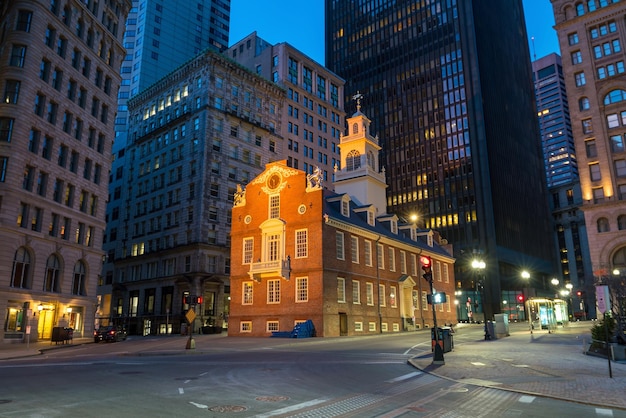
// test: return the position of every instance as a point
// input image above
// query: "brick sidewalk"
(540, 364)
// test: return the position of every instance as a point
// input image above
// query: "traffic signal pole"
(428, 276)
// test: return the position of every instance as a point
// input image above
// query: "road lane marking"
(181, 391)
(199, 405)
(477, 363)
(526, 399)
(604, 412)
(403, 377)
(292, 408)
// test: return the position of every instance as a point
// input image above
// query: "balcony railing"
(266, 269)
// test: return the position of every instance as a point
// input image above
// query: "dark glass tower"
(448, 86)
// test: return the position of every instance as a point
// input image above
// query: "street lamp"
(569, 288)
(526, 276)
(479, 266)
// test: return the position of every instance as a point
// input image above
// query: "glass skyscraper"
(448, 86)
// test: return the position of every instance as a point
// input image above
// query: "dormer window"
(430, 240)
(371, 219)
(394, 226)
(345, 208)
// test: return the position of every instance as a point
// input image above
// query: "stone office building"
(59, 75)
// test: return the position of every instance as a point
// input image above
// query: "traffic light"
(439, 297)
(427, 268)
(186, 300)
(199, 300)
(520, 298)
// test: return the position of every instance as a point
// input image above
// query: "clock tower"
(360, 175)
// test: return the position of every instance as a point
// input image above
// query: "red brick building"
(300, 251)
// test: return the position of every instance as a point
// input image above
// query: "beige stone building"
(59, 76)
(592, 37)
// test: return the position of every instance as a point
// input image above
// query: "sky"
(301, 24)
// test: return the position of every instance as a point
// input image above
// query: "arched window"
(621, 222)
(78, 282)
(580, 9)
(355, 128)
(591, 5)
(615, 96)
(583, 103)
(603, 225)
(353, 160)
(53, 274)
(370, 160)
(619, 258)
(20, 277)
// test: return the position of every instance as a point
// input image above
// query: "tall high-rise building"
(59, 71)
(159, 37)
(314, 115)
(592, 38)
(562, 179)
(450, 87)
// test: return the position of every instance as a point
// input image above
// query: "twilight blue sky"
(301, 24)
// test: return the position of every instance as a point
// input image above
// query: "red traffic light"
(425, 260)
(520, 298)
(579, 293)
(199, 300)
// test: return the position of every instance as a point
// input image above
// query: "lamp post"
(526, 276)
(570, 312)
(479, 267)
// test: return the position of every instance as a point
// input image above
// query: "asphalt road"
(233, 377)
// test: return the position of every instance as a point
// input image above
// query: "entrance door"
(343, 324)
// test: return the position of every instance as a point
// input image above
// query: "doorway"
(343, 324)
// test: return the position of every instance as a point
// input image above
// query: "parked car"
(109, 333)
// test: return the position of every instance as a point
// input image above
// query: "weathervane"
(358, 96)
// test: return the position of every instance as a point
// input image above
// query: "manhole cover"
(272, 398)
(228, 408)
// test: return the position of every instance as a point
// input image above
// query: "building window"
(339, 241)
(393, 299)
(273, 291)
(580, 79)
(353, 160)
(248, 245)
(572, 38)
(302, 289)
(53, 271)
(341, 290)
(355, 249)
(583, 103)
(594, 172)
(18, 55)
(587, 126)
(6, 129)
(11, 92)
(274, 210)
(245, 326)
(381, 256)
(356, 292)
(598, 195)
(392, 259)
(621, 222)
(590, 148)
(20, 276)
(603, 225)
(620, 168)
(367, 248)
(382, 299)
(247, 293)
(577, 57)
(369, 294)
(302, 244)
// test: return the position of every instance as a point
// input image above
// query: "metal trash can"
(446, 341)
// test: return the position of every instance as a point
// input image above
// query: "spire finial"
(358, 96)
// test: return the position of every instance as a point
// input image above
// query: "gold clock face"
(274, 181)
